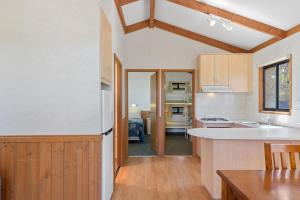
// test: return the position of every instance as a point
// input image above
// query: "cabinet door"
(106, 50)
(207, 70)
(239, 69)
(222, 70)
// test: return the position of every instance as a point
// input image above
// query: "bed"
(136, 129)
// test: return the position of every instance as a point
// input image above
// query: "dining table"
(260, 184)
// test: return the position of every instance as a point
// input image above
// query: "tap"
(269, 120)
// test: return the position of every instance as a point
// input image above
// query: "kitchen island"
(236, 149)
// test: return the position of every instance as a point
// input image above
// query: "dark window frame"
(178, 86)
(177, 110)
(276, 65)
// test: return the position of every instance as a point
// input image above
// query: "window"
(178, 86)
(276, 87)
(177, 110)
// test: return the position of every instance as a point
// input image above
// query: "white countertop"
(264, 132)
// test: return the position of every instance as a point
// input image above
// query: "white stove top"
(215, 120)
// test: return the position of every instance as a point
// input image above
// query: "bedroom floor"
(135, 148)
(170, 177)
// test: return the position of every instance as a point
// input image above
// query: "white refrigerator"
(107, 121)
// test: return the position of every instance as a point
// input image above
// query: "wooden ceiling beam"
(264, 44)
(152, 13)
(125, 2)
(138, 26)
(198, 37)
(290, 32)
(250, 23)
(294, 30)
(121, 15)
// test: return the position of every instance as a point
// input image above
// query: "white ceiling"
(136, 12)
(278, 13)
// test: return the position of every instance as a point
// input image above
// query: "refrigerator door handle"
(107, 132)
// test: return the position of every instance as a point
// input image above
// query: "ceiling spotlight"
(227, 25)
(211, 20)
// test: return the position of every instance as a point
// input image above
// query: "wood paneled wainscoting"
(51, 167)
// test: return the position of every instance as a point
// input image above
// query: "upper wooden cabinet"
(221, 70)
(213, 70)
(206, 70)
(240, 73)
(229, 70)
(106, 50)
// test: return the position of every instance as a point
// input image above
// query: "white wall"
(178, 76)
(49, 58)
(290, 45)
(227, 105)
(155, 48)
(139, 89)
(49, 66)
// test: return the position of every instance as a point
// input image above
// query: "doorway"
(157, 114)
(144, 112)
(141, 113)
(178, 91)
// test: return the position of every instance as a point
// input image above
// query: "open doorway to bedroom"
(142, 96)
(178, 111)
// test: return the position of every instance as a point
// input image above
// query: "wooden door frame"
(118, 112)
(194, 91)
(160, 99)
(160, 150)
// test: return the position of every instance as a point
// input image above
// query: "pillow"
(134, 112)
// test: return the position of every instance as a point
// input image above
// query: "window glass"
(284, 86)
(276, 87)
(270, 87)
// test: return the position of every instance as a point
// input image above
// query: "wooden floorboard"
(174, 177)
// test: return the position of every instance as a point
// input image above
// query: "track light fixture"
(212, 20)
(227, 25)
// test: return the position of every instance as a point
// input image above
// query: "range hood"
(215, 88)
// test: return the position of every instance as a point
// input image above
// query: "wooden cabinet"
(230, 70)
(221, 70)
(106, 50)
(213, 70)
(207, 70)
(240, 72)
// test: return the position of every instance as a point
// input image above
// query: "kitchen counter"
(263, 132)
(236, 149)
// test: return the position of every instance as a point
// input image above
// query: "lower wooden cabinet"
(51, 168)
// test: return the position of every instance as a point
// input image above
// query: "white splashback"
(226, 105)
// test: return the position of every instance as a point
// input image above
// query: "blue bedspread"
(136, 128)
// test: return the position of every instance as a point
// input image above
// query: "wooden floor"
(156, 178)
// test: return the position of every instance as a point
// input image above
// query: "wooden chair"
(282, 149)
